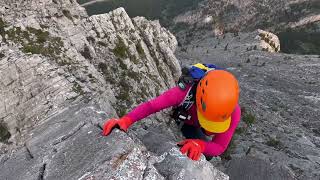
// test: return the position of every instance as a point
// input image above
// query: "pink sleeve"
(221, 141)
(172, 97)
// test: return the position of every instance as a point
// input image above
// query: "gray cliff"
(64, 73)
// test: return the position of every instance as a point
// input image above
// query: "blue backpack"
(190, 76)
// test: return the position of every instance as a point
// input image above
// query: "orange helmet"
(216, 97)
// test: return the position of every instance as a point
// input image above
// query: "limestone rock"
(54, 54)
(269, 41)
(63, 74)
(70, 145)
(169, 161)
(252, 168)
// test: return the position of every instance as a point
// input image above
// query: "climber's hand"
(123, 123)
(193, 148)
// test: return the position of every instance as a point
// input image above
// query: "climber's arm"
(221, 141)
(172, 97)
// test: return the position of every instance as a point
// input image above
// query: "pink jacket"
(174, 97)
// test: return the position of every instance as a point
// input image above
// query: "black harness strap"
(180, 113)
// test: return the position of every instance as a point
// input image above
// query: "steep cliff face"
(53, 54)
(64, 73)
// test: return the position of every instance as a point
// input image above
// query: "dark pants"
(191, 132)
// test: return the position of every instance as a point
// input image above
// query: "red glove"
(193, 147)
(123, 123)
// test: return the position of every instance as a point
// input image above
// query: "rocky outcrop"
(279, 129)
(69, 145)
(306, 21)
(63, 74)
(269, 41)
(53, 54)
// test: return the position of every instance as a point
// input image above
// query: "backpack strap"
(180, 113)
(190, 98)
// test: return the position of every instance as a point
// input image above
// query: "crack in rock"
(63, 138)
(42, 171)
(30, 155)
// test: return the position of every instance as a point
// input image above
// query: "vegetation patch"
(35, 41)
(108, 76)
(121, 49)
(124, 90)
(140, 50)
(3, 25)
(121, 112)
(134, 59)
(248, 118)
(124, 97)
(122, 65)
(77, 88)
(4, 133)
(274, 143)
(240, 130)
(134, 75)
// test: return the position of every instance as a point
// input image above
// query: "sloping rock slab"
(178, 166)
(70, 146)
(172, 164)
(247, 168)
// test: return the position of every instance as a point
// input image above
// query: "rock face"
(253, 168)
(280, 104)
(55, 55)
(63, 74)
(269, 41)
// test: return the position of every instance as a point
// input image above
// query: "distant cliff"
(248, 15)
(296, 23)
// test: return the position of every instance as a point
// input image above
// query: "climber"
(211, 109)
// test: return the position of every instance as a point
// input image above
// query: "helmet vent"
(204, 107)
(224, 116)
